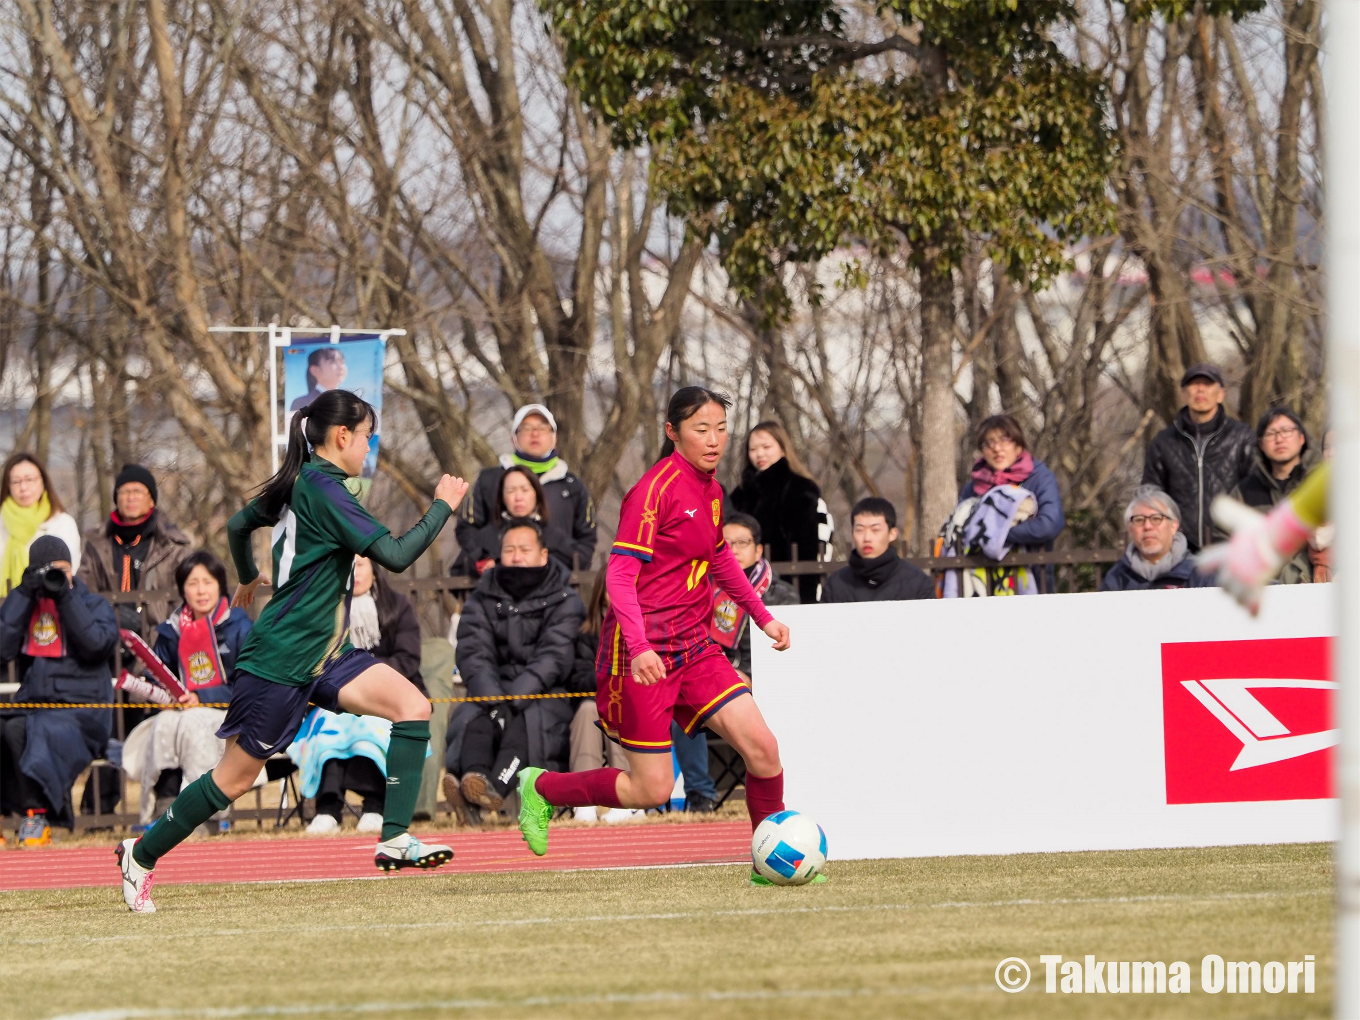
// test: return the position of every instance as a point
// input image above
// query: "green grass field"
(917, 938)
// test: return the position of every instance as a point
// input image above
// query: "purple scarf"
(984, 478)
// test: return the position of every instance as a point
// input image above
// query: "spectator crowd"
(526, 630)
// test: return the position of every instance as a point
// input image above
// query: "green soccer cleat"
(534, 812)
(760, 880)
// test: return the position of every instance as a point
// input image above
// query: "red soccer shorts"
(638, 716)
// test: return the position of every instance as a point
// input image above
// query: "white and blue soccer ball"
(788, 848)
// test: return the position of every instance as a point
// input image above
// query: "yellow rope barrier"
(155, 704)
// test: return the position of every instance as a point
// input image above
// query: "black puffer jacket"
(886, 578)
(785, 504)
(524, 646)
(1194, 463)
(570, 531)
(62, 742)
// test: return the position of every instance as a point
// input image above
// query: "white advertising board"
(1056, 722)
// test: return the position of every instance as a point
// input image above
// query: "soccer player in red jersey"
(656, 659)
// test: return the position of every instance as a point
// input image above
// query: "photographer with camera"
(62, 636)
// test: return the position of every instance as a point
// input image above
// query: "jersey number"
(697, 570)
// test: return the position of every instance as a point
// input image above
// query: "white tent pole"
(1343, 361)
(273, 399)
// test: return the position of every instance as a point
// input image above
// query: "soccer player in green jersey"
(298, 652)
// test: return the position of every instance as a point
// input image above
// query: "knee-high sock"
(580, 789)
(405, 763)
(195, 804)
(764, 797)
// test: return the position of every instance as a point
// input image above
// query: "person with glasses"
(1281, 462)
(568, 516)
(1158, 555)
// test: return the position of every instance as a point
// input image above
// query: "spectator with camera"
(29, 508)
(568, 515)
(1158, 555)
(516, 636)
(198, 642)
(61, 636)
(875, 572)
(136, 549)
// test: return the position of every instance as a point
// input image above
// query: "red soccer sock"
(764, 797)
(580, 789)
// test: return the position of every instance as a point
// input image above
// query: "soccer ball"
(788, 848)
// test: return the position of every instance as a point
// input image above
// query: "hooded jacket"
(886, 578)
(521, 646)
(61, 743)
(785, 504)
(570, 530)
(1194, 463)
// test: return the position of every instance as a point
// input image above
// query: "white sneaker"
(323, 825)
(370, 821)
(619, 814)
(586, 814)
(405, 851)
(137, 880)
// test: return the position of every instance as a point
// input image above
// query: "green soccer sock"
(405, 763)
(196, 803)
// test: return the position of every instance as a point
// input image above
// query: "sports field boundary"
(203, 862)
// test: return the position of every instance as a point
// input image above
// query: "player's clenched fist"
(648, 668)
(779, 634)
(451, 490)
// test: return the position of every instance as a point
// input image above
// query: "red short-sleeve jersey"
(671, 520)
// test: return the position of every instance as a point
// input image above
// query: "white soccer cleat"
(137, 880)
(323, 825)
(370, 821)
(405, 851)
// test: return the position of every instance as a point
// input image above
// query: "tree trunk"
(939, 471)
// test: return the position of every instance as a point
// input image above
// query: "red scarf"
(729, 619)
(44, 631)
(200, 662)
(985, 479)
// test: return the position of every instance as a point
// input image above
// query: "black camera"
(53, 578)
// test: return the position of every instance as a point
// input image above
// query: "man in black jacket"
(517, 635)
(1201, 453)
(876, 573)
(62, 636)
(570, 531)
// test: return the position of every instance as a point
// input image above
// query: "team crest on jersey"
(717, 512)
(201, 669)
(44, 630)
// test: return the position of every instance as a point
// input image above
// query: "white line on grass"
(512, 922)
(537, 1001)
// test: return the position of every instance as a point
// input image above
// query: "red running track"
(280, 860)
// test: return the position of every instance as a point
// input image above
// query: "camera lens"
(54, 580)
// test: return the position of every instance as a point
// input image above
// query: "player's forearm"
(732, 579)
(239, 530)
(396, 554)
(621, 583)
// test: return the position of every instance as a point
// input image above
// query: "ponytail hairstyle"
(684, 405)
(309, 428)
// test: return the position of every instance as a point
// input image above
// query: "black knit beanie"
(48, 549)
(135, 473)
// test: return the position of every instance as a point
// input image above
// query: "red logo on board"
(1248, 720)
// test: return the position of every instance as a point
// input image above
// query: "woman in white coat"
(28, 509)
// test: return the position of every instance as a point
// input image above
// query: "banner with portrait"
(314, 364)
